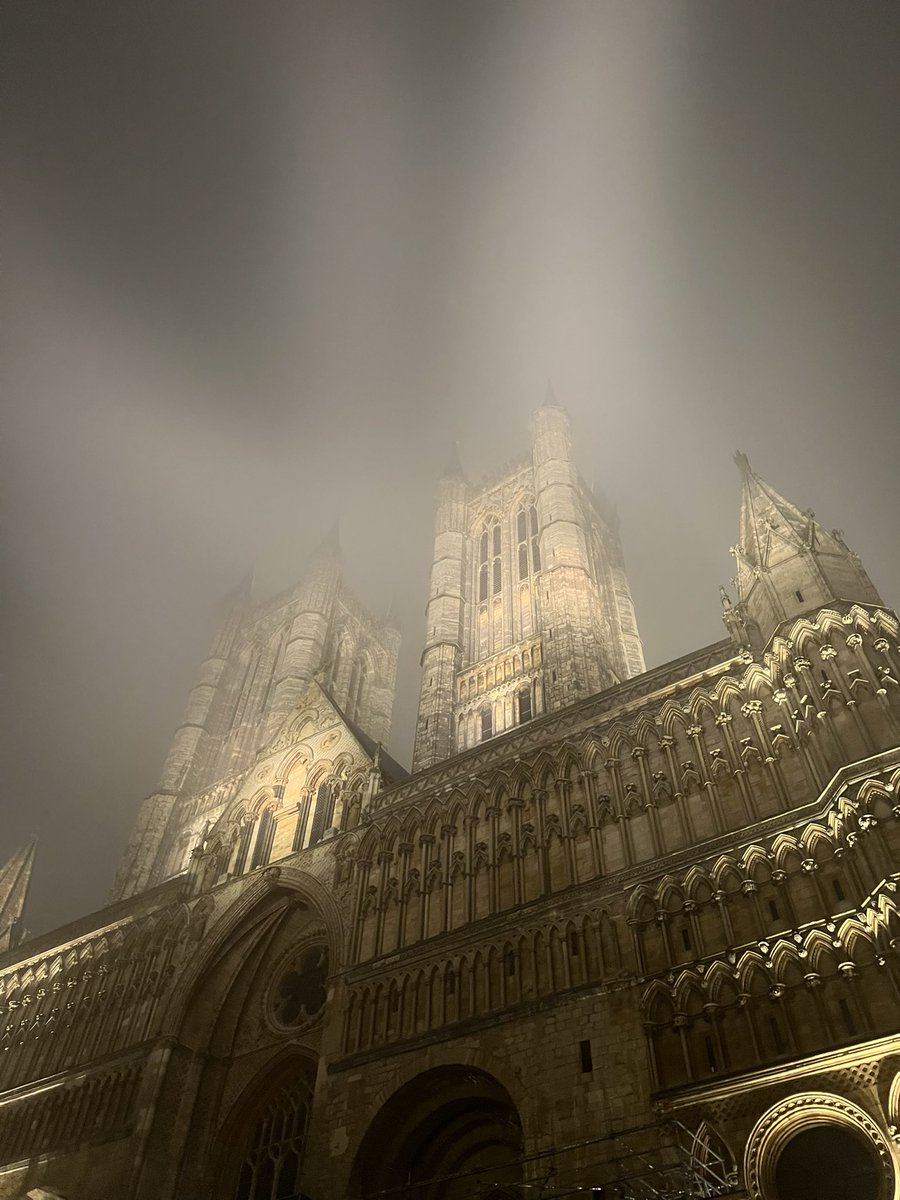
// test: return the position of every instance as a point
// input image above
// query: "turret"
(576, 661)
(444, 618)
(305, 644)
(187, 751)
(187, 744)
(786, 563)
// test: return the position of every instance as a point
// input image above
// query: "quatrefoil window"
(300, 993)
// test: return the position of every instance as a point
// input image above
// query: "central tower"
(529, 607)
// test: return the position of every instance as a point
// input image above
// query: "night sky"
(264, 263)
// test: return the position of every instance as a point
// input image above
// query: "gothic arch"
(266, 893)
(450, 1124)
(777, 1127)
(299, 756)
(283, 1088)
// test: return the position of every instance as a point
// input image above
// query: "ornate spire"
(14, 879)
(787, 563)
(768, 520)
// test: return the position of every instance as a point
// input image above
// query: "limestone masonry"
(622, 933)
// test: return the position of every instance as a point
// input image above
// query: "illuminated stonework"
(529, 606)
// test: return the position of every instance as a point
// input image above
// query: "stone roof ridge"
(717, 655)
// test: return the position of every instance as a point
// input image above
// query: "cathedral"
(622, 933)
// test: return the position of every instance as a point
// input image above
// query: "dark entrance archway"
(452, 1133)
(829, 1162)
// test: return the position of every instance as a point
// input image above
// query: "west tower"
(262, 661)
(529, 605)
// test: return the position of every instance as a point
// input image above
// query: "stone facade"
(643, 943)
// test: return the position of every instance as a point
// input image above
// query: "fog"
(265, 263)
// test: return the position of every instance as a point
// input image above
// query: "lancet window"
(324, 813)
(529, 550)
(490, 567)
(487, 723)
(265, 836)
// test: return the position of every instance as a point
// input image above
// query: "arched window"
(272, 1161)
(490, 569)
(529, 556)
(487, 723)
(338, 663)
(243, 850)
(356, 697)
(265, 836)
(324, 812)
(525, 705)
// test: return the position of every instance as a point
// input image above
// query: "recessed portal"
(449, 1134)
(829, 1162)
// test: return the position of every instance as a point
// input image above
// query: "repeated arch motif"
(103, 992)
(764, 988)
(711, 761)
(742, 897)
(499, 974)
(281, 817)
(796, 995)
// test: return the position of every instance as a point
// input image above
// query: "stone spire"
(787, 564)
(330, 545)
(453, 466)
(14, 879)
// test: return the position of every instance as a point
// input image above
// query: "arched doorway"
(829, 1162)
(452, 1133)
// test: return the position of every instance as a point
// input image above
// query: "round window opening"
(300, 992)
(829, 1162)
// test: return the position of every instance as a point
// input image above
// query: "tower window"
(524, 699)
(773, 911)
(487, 724)
(587, 1060)
(685, 938)
(799, 596)
(526, 535)
(490, 573)
(838, 889)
